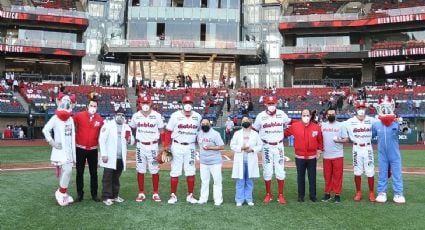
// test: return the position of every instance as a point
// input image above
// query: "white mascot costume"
(63, 145)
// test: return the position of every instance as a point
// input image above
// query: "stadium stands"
(8, 104)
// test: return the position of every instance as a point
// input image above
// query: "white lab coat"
(236, 145)
(108, 140)
(67, 153)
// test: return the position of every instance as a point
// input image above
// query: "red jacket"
(308, 139)
(86, 130)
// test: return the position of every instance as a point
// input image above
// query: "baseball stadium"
(307, 114)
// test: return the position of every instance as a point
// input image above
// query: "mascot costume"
(63, 145)
(389, 159)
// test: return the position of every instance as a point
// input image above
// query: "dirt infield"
(227, 159)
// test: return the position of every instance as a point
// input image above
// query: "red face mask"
(63, 115)
(387, 119)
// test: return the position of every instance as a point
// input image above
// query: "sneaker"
(326, 197)
(300, 199)
(191, 199)
(140, 197)
(156, 198)
(173, 199)
(313, 199)
(399, 199)
(372, 197)
(218, 203)
(118, 200)
(281, 199)
(70, 199)
(202, 201)
(337, 199)
(358, 196)
(268, 198)
(61, 198)
(108, 202)
(238, 204)
(250, 203)
(382, 197)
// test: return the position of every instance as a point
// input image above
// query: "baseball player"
(149, 126)
(183, 127)
(63, 145)
(359, 130)
(270, 125)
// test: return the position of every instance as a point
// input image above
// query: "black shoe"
(313, 199)
(80, 197)
(337, 199)
(96, 199)
(326, 197)
(300, 199)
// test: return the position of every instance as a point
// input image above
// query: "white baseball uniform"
(360, 133)
(270, 128)
(147, 136)
(184, 132)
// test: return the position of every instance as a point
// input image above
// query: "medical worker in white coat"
(246, 144)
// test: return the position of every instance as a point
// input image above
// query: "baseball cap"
(187, 99)
(270, 100)
(360, 104)
(145, 99)
(120, 110)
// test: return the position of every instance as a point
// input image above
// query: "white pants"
(215, 171)
(65, 174)
(363, 161)
(146, 155)
(273, 158)
(183, 156)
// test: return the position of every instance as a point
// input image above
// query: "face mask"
(361, 112)
(145, 108)
(205, 128)
(92, 110)
(119, 120)
(246, 124)
(306, 119)
(187, 107)
(331, 118)
(271, 108)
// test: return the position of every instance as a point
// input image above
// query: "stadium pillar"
(126, 65)
(76, 67)
(237, 73)
(368, 71)
(288, 74)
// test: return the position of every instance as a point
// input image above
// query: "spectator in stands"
(409, 104)
(15, 85)
(62, 88)
(21, 133)
(235, 120)
(229, 129)
(232, 84)
(228, 103)
(30, 123)
(15, 131)
(8, 133)
(417, 106)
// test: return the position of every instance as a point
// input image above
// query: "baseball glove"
(164, 157)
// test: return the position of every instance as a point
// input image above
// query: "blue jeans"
(244, 187)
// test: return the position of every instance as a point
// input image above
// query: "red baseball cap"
(145, 100)
(187, 99)
(360, 104)
(270, 100)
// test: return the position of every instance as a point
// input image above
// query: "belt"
(147, 143)
(361, 145)
(182, 143)
(272, 143)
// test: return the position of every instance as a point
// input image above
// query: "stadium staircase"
(132, 98)
(23, 102)
(221, 121)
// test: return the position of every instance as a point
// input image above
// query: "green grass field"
(27, 201)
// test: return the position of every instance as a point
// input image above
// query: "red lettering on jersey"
(273, 124)
(146, 125)
(332, 130)
(360, 130)
(187, 126)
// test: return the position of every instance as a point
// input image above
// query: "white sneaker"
(118, 200)
(191, 199)
(399, 199)
(381, 198)
(251, 203)
(61, 198)
(173, 199)
(238, 204)
(156, 198)
(108, 202)
(202, 201)
(218, 203)
(70, 199)
(140, 197)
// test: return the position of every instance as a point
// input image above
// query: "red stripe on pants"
(333, 170)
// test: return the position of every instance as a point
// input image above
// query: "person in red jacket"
(87, 125)
(308, 147)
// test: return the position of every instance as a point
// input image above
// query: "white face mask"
(145, 108)
(119, 120)
(92, 110)
(187, 107)
(361, 112)
(271, 108)
(305, 120)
